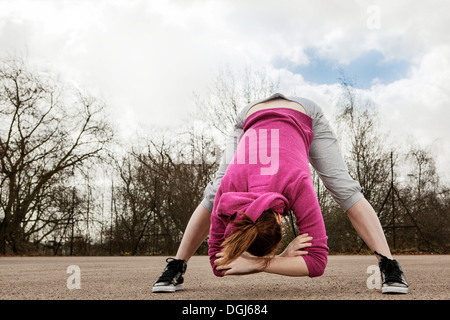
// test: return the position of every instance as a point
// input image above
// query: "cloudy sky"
(146, 58)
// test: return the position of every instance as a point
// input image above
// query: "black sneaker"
(392, 277)
(171, 279)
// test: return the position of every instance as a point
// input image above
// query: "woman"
(326, 158)
(254, 192)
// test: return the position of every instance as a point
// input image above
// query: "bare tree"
(158, 188)
(366, 155)
(427, 201)
(47, 129)
(411, 213)
(229, 91)
(424, 173)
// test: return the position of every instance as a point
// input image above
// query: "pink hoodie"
(255, 182)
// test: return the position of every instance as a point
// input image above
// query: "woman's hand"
(244, 264)
(294, 248)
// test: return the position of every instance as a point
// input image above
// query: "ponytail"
(236, 244)
(260, 238)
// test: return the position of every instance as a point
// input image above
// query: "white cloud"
(418, 106)
(147, 57)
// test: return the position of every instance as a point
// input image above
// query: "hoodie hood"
(252, 204)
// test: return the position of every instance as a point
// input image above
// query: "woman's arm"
(216, 237)
(248, 264)
(287, 266)
(287, 263)
(294, 248)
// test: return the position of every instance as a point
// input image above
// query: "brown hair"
(260, 238)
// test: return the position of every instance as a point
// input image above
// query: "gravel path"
(131, 278)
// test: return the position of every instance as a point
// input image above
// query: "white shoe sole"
(394, 290)
(168, 289)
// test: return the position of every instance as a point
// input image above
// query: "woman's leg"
(196, 232)
(171, 279)
(366, 223)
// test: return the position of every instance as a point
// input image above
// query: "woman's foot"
(171, 279)
(392, 277)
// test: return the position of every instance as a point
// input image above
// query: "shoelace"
(171, 270)
(390, 269)
(392, 272)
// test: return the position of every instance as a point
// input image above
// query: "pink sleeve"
(309, 220)
(216, 237)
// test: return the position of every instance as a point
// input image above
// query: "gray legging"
(325, 156)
